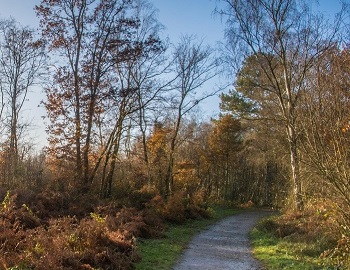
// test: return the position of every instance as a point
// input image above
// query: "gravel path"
(224, 245)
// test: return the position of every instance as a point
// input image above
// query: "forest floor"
(225, 245)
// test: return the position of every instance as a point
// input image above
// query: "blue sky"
(190, 17)
(178, 17)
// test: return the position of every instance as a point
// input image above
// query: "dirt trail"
(224, 245)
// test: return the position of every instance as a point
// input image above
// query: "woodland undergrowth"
(312, 239)
(51, 230)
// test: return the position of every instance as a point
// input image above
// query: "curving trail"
(224, 245)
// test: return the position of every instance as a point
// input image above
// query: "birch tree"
(285, 38)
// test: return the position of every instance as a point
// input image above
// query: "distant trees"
(190, 66)
(119, 101)
(225, 143)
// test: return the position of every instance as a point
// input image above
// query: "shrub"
(140, 198)
(29, 239)
(38, 232)
(312, 233)
(174, 208)
(132, 223)
(340, 255)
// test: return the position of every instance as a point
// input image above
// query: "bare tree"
(194, 65)
(286, 39)
(149, 72)
(21, 65)
(2, 105)
(133, 87)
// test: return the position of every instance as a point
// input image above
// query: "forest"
(128, 152)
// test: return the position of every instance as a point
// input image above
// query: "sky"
(180, 17)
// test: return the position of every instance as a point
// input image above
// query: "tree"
(64, 25)
(158, 149)
(225, 143)
(194, 65)
(326, 128)
(238, 105)
(90, 37)
(22, 57)
(2, 106)
(135, 87)
(283, 39)
(145, 72)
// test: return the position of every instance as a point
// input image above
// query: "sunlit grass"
(163, 253)
(281, 253)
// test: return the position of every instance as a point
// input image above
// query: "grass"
(163, 253)
(286, 253)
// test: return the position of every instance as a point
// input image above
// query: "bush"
(312, 233)
(132, 223)
(30, 239)
(38, 232)
(179, 207)
(339, 256)
(67, 243)
(174, 208)
(140, 198)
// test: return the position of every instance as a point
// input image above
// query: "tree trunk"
(289, 112)
(79, 28)
(86, 177)
(107, 179)
(169, 178)
(294, 161)
(79, 170)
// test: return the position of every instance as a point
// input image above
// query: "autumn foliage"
(127, 153)
(46, 233)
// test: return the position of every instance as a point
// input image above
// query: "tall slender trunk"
(79, 169)
(169, 178)
(79, 28)
(170, 171)
(13, 151)
(103, 187)
(86, 177)
(108, 180)
(111, 159)
(143, 127)
(292, 139)
(94, 83)
(295, 169)
(13, 135)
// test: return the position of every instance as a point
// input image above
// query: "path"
(223, 246)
